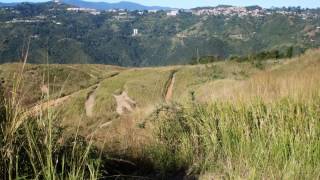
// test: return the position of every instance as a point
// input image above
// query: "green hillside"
(192, 121)
(78, 37)
(59, 80)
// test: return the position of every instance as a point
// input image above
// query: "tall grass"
(269, 129)
(257, 140)
(32, 146)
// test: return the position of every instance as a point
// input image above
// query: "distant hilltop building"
(153, 11)
(229, 10)
(173, 13)
(123, 14)
(86, 10)
(135, 32)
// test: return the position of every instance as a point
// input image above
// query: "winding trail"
(46, 105)
(51, 103)
(90, 102)
(35, 110)
(169, 92)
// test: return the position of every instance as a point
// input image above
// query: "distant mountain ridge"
(106, 6)
(131, 6)
(102, 5)
(7, 4)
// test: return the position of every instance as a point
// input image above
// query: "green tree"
(290, 52)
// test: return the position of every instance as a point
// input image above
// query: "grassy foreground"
(266, 127)
(278, 140)
(239, 123)
(31, 147)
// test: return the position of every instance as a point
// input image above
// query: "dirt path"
(56, 102)
(52, 103)
(35, 110)
(124, 103)
(169, 92)
(89, 104)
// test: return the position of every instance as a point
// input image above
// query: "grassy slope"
(146, 86)
(203, 79)
(64, 79)
(298, 77)
(266, 127)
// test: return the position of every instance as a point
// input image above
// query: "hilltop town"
(222, 10)
(137, 37)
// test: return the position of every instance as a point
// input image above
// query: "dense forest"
(57, 35)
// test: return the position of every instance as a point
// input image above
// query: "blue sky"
(195, 3)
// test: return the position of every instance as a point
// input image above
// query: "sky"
(197, 3)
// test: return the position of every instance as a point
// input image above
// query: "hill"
(143, 89)
(7, 4)
(88, 36)
(159, 117)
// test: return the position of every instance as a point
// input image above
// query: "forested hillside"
(59, 35)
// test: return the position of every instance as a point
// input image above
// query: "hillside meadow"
(223, 120)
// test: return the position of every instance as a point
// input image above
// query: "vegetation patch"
(240, 140)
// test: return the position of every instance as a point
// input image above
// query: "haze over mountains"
(7, 4)
(106, 6)
(103, 5)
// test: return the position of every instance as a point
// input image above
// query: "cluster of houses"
(123, 12)
(35, 19)
(228, 11)
(216, 11)
(14, 20)
(28, 21)
(253, 11)
(86, 10)
(304, 15)
(124, 15)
